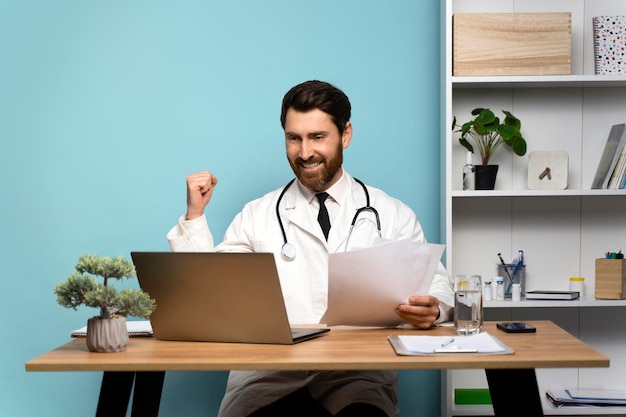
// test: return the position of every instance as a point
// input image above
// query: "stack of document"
(586, 397)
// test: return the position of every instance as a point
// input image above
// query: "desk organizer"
(511, 44)
(610, 279)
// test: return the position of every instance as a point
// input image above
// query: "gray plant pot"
(107, 335)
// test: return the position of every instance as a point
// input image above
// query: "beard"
(319, 180)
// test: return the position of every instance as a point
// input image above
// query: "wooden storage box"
(611, 279)
(511, 44)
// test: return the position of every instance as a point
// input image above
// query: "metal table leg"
(115, 394)
(147, 395)
(514, 392)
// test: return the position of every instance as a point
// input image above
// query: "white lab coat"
(304, 282)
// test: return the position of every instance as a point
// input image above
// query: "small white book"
(552, 295)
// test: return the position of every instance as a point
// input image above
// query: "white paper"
(481, 343)
(365, 286)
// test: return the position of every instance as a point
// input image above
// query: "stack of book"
(611, 171)
(586, 397)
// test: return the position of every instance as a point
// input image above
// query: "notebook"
(217, 297)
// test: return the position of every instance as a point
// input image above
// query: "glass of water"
(468, 304)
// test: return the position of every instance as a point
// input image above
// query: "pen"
(448, 342)
(446, 348)
(506, 270)
(518, 267)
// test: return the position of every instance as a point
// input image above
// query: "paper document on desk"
(481, 343)
(366, 285)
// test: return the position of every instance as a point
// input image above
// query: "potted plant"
(488, 134)
(107, 331)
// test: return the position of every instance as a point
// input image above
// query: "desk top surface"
(340, 349)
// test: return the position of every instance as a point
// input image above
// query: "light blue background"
(106, 106)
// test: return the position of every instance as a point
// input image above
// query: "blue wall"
(105, 106)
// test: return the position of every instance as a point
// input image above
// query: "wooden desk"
(340, 349)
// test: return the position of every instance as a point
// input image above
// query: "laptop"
(217, 297)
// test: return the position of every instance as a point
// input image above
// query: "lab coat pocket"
(292, 274)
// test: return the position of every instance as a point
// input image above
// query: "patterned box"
(609, 45)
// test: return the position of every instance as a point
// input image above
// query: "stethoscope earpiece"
(289, 251)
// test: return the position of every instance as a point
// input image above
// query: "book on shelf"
(586, 397)
(614, 181)
(613, 149)
(552, 295)
(136, 328)
(609, 45)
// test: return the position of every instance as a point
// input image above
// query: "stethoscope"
(289, 251)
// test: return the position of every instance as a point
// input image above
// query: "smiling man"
(301, 224)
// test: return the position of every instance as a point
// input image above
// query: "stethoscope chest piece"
(288, 251)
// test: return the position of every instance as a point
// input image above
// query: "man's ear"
(346, 138)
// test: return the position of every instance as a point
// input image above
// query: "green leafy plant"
(81, 289)
(487, 133)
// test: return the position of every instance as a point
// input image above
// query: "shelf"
(560, 230)
(537, 193)
(551, 81)
(586, 302)
(548, 410)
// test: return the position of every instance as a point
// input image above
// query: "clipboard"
(442, 345)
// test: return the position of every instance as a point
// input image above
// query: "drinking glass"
(468, 304)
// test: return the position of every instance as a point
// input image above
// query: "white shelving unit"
(561, 232)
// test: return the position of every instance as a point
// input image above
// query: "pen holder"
(513, 274)
(611, 279)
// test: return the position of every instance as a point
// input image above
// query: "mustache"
(311, 160)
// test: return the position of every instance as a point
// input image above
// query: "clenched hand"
(200, 188)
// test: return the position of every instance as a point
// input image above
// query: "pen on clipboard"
(447, 348)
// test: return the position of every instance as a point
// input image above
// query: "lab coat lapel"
(298, 214)
(341, 225)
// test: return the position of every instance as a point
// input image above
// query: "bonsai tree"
(80, 288)
(487, 133)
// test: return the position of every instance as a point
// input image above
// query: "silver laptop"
(217, 297)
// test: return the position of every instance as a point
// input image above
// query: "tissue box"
(511, 44)
(611, 279)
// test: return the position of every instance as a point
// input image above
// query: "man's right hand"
(200, 188)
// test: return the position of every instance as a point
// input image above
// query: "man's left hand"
(421, 311)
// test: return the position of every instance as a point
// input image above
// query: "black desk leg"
(147, 395)
(114, 394)
(514, 392)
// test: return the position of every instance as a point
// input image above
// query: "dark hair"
(318, 95)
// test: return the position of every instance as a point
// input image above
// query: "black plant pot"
(485, 176)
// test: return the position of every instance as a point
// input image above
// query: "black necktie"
(322, 216)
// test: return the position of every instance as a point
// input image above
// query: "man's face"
(315, 147)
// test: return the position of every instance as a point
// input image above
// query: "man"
(315, 117)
